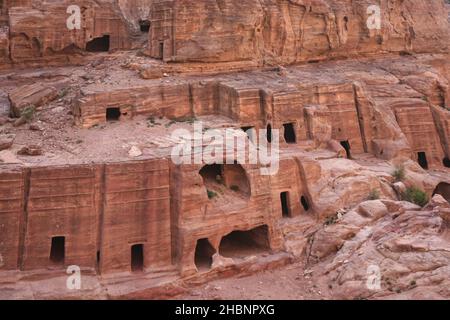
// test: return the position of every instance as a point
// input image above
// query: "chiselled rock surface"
(290, 31)
(335, 118)
(388, 250)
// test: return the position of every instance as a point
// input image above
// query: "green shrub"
(211, 194)
(399, 173)
(28, 112)
(63, 92)
(416, 195)
(374, 195)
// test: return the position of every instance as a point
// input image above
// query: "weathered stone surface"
(34, 95)
(6, 141)
(290, 31)
(54, 39)
(4, 104)
(408, 251)
(103, 191)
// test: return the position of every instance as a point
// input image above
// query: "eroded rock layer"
(360, 192)
(291, 31)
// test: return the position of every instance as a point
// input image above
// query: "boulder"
(31, 150)
(34, 95)
(6, 141)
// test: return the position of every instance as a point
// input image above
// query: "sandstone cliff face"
(264, 32)
(282, 32)
(38, 29)
(388, 250)
(103, 192)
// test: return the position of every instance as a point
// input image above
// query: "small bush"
(63, 92)
(151, 122)
(170, 123)
(331, 220)
(28, 113)
(374, 195)
(211, 194)
(399, 173)
(416, 196)
(189, 120)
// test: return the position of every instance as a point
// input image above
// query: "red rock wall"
(4, 45)
(158, 100)
(162, 29)
(197, 217)
(289, 180)
(442, 120)
(362, 113)
(101, 210)
(281, 32)
(288, 107)
(136, 211)
(241, 103)
(417, 123)
(62, 201)
(39, 30)
(11, 209)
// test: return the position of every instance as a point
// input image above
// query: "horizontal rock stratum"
(94, 94)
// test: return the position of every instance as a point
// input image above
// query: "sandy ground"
(288, 283)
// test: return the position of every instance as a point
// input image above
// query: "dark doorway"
(241, 244)
(289, 133)
(161, 50)
(137, 258)
(285, 207)
(212, 173)
(57, 251)
(305, 203)
(346, 145)
(98, 44)
(113, 114)
(422, 158)
(144, 26)
(269, 133)
(204, 252)
(446, 162)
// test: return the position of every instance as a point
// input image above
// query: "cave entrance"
(144, 25)
(346, 145)
(446, 162)
(212, 173)
(98, 44)
(137, 258)
(422, 159)
(305, 203)
(285, 204)
(204, 252)
(57, 251)
(241, 244)
(269, 133)
(113, 114)
(443, 189)
(289, 133)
